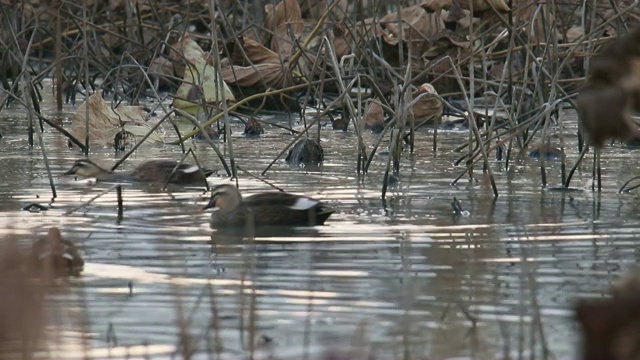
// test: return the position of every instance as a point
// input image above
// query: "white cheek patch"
(304, 203)
(191, 169)
(67, 256)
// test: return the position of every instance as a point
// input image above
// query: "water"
(401, 278)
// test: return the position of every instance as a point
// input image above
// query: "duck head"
(56, 256)
(224, 197)
(86, 168)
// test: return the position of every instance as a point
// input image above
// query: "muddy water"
(402, 279)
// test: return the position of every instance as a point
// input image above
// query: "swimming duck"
(54, 256)
(264, 209)
(253, 128)
(154, 171)
(306, 152)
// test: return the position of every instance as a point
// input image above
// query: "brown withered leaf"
(444, 41)
(374, 116)
(524, 12)
(255, 51)
(201, 74)
(249, 76)
(417, 25)
(427, 106)
(483, 5)
(315, 9)
(287, 21)
(186, 51)
(459, 15)
(435, 5)
(105, 122)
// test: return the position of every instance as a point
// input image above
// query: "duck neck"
(105, 175)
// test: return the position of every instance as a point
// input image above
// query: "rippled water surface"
(400, 279)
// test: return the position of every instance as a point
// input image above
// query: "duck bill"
(210, 205)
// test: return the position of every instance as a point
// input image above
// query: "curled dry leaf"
(267, 75)
(435, 5)
(483, 5)
(374, 116)
(200, 79)
(105, 123)
(417, 25)
(427, 106)
(255, 52)
(286, 20)
(458, 15)
(573, 33)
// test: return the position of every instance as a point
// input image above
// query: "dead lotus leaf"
(417, 24)
(256, 53)
(574, 33)
(186, 49)
(287, 19)
(374, 116)
(427, 106)
(105, 122)
(200, 80)
(435, 5)
(483, 5)
(460, 16)
(268, 75)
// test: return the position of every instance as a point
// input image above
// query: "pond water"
(401, 279)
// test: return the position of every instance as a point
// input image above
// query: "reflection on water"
(401, 277)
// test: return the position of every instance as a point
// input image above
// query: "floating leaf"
(105, 122)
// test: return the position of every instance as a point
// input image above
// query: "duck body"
(153, 171)
(54, 256)
(264, 209)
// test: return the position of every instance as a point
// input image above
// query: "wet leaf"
(105, 122)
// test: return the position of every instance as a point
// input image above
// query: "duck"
(54, 256)
(306, 152)
(253, 128)
(154, 171)
(264, 209)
